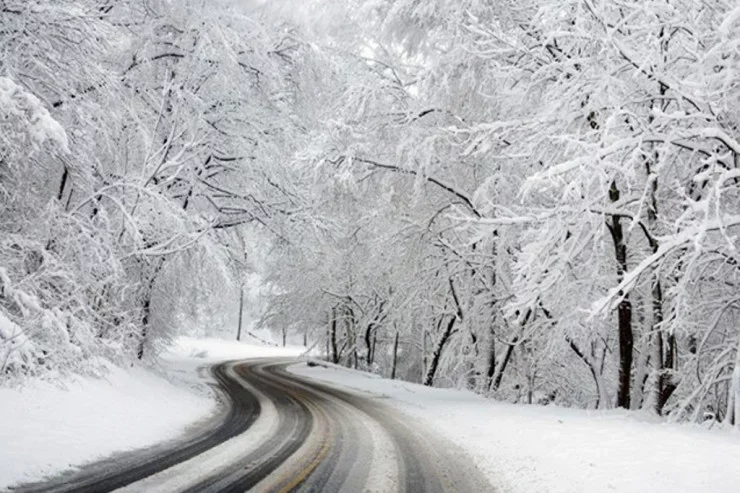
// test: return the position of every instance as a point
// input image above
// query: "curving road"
(284, 433)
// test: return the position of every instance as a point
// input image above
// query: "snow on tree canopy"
(17, 104)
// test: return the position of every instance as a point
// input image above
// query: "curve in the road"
(241, 410)
(305, 436)
(295, 424)
(337, 456)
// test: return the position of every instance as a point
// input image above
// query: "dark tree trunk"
(665, 356)
(437, 354)
(499, 371)
(491, 364)
(147, 308)
(395, 356)
(666, 384)
(371, 332)
(241, 312)
(504, 363)
(369, 344)
(665, 352)
(375, 343)
(491, 360)
(624, 310)
(63, 184)
(333, 336)
(144, 329)
(145, 318)
(591, 368)
(446, 334)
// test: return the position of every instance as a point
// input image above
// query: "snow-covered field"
(533, 449)
(47, 428)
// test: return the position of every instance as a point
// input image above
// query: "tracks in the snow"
(123, 469)
(285, 433)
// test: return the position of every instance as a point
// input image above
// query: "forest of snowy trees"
(535, 199)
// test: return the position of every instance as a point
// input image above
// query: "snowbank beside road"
(46, 428)
(533, 449)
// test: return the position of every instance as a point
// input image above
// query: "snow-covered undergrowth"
(534, 449)
(47, 428)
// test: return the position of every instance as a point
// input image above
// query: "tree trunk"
(144, 327)
(333, 336)
(665, 349)
(665, 355)
(624, 310)
(732, 416)
(395, 356)
(63, 184)
(146, 315)
(241, 311)
(491, 359)
(491, 364)
(602, 398)
(369, 344)
(499, 371)
(499, 376)
(437, 353)
(147, 308)
(327, 349)
(424, 358)
(375, 343)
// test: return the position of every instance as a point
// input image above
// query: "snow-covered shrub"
(59, 305)
(60, 278)
(17, 351)
(25, 120)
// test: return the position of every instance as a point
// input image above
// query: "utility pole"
(241, 311)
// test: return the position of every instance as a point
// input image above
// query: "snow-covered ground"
(214, 350)
(533, 449)
(47, 428)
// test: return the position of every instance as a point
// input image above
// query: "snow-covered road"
(536, 449)
(49, 428)
(519, 449)
(306, 436)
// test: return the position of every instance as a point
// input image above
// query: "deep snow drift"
(47, 428)
(534, 449)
